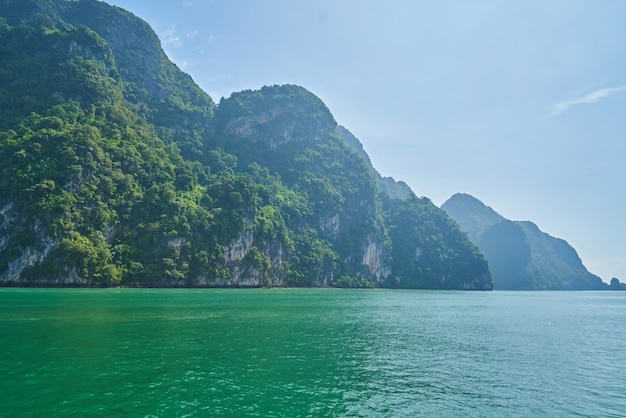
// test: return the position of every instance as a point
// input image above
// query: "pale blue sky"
(519, 103)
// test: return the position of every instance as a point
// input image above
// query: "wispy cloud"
(558, 108)
(171, 38)
(184, 65)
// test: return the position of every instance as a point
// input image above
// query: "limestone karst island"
(118, 170)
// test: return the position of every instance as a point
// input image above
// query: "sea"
(311, 353)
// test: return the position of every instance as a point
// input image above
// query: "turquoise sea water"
(311, 352)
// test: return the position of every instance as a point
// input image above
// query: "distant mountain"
(119, 170)
(428, 247)
(520, 255)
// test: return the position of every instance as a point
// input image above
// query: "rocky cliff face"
(20, 258)
(275, 115)
(520, 255)
(387, 185)
(151, 79)
(430, 250)
(293, 135)
(121, 171)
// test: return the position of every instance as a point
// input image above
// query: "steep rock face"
(292, 132)
(153, 85)
(79, 162)
(234, 257)
(387, 185)
(20, 257)
(115, 172)
(150, 77)
(241, 259)
(275, 115)
(430, 250)
(31, 256)
(374, 257)
(7, 220)
(520, 255)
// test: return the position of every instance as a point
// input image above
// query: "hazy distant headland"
(520, 255)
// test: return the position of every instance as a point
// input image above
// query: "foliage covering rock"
(119, 170)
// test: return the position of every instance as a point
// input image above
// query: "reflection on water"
(316, 352)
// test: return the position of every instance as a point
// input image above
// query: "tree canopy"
(118, 170)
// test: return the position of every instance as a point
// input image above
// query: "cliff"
(119, 170)
(520, 255)
(386, 185)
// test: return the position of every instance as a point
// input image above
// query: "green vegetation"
(429, 249)
(346, 281)
(93, 175)
(118, 170)
(386, 185)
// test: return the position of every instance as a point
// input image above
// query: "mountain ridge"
(123, 172)
(520, 255)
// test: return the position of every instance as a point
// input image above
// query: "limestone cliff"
(118, 170)
(387, 185)
(520, 255)
(292, 133)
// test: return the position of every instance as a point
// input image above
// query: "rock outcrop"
(520, 255)
(119, 170)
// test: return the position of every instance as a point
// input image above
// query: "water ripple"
(311, 352)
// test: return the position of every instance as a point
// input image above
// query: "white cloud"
(558, 108)
(171, 38)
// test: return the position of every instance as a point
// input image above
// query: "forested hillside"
(119, 170)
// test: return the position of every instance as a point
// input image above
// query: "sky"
(521, 104)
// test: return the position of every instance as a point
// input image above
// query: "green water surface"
(311, 352)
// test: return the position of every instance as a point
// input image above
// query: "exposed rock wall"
(20, 257)
(374, 259)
